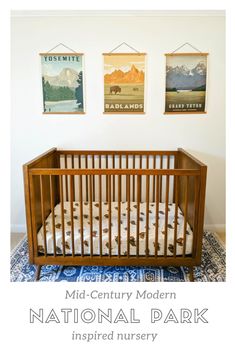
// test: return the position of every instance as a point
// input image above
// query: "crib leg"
(191, 276)
(37, 273)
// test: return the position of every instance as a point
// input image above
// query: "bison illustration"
(115, 89)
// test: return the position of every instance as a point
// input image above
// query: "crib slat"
(147, 161)
(140, 161)
(81, 214)
(110, 216)
(161, 165)
(52, 214)
(174, 183)
(100, 161)
(166, 216)
(154, 179)
(119, 215)
(195, 223)
(86, 166)
(71, 211)
(156, 217)
(120, 167)
(72, 160)
(133, 181)
(62, 212)
(120, 161)
(91, 215)
(106, 165)
(113, 178)
(168, 167)
(100, 214)
(140, 179)
(147, 217)
(72, 164)
(168, 161)
(138, 215)
(34, 228)
(93, 177)
(176, 197)
(128, 213)
(66, 178)
(79, 161)
(127, 165)
(185, 213)
(43, 216)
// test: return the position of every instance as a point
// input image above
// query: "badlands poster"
(124, 80)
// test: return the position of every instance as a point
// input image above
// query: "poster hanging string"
(199, 51)
(124, 43)
(63, 46)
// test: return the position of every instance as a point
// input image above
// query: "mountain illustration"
(181, 77)
(200, 69)
(118, 76)
(66, 78)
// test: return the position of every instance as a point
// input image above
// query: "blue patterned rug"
(211, 270)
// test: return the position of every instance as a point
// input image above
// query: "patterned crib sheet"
(114, 230)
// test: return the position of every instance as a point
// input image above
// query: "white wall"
(33, 133)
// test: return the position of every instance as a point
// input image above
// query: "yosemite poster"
(186, 83)
(124, 77)
(62, 83)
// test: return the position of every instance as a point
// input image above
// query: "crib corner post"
(191, 275)
(37, 273)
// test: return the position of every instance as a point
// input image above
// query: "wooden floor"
(17, 237)
(222, 236)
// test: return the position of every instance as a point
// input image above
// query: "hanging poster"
(62, 83)
(186, 76)
(124, 80)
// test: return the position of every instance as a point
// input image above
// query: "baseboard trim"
(18, 228)
(220, 228)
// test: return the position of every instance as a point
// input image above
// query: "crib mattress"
(114, 230)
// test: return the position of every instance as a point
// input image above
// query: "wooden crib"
(118, 208)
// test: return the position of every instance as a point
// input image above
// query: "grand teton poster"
(124, 77)
(186, 76)
(62, 83)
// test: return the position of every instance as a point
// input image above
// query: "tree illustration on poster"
(62, 83)
(79, 90)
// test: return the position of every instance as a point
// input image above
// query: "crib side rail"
(58, 171)
(186, 160)
(50, 160)
(118, 152)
